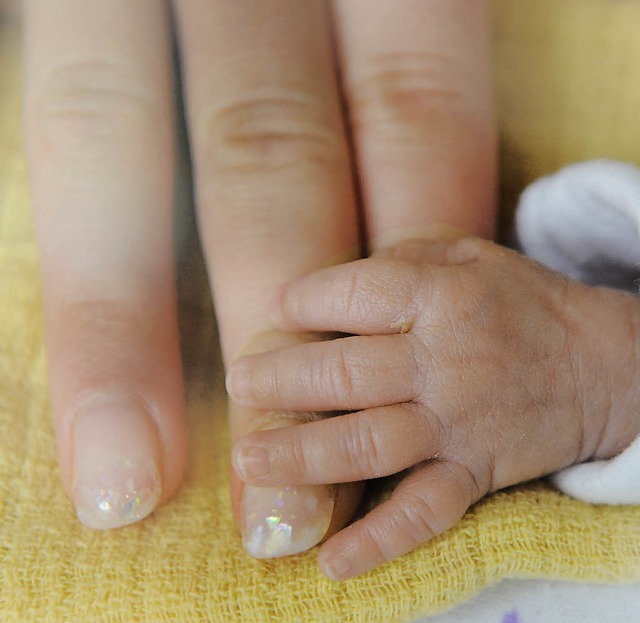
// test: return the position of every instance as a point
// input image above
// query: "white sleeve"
(616, 481)
(584, 221)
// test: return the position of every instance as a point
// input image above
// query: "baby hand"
(471, 365)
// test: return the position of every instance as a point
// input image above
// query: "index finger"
(99, 137)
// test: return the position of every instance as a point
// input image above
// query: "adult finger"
(100, 151)
(416, 75)
(426, 503)
(274, 189)
(358, 446)
(348, 373)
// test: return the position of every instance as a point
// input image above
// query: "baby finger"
(425, 504)
(347, 448)
(344, 374)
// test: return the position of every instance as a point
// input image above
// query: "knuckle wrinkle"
(98, 98)
(405, 90)
(268, 131)
(417, 520)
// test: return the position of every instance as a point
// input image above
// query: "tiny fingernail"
(337, 569)
(238, 383)
(116, 475)
(275, 307)
(252, 462)
(281, 521)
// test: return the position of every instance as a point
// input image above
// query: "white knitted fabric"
(584, 221)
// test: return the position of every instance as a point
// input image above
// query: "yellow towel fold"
(185, 562)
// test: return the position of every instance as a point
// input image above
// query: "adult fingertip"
(116, 462)
(281, 521)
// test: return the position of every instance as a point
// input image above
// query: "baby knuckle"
(297, 459)
(336, 377)
(365, 449)
(96, 99)
(267, 132)
(417, 521)
(383, 284)
(375, 540)
(352, 293)
(421, 363)
(471, 485)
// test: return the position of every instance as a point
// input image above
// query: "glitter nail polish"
(281, 521)
(116, 478)
(127, 492)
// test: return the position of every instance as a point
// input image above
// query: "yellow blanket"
(568, 74)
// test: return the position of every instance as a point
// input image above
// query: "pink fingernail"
(275, 307)
(252, 462)
(115, 462)
(238, 384)
(337, 569)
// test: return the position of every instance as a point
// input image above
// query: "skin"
(276, 153)
(469, 366)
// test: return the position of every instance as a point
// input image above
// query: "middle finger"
(275, 200)
(274, 186)
(349, 373)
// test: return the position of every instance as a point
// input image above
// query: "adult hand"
(275, 148)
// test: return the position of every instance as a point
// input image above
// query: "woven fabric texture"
(185, 562)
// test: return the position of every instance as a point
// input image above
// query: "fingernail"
(281, 521)
(337, 569)
(115, 463)
(252, 462)
(275, 307)
(238, 384)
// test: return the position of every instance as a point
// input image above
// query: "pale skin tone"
(274, 154)
(468, 365)
(275, 149)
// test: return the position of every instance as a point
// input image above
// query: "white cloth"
(584, 221)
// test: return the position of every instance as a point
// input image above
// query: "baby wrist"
(584, 222)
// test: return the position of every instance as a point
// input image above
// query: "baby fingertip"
(337, 568)
(238, 384)
(251, 462)
(276, 314)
